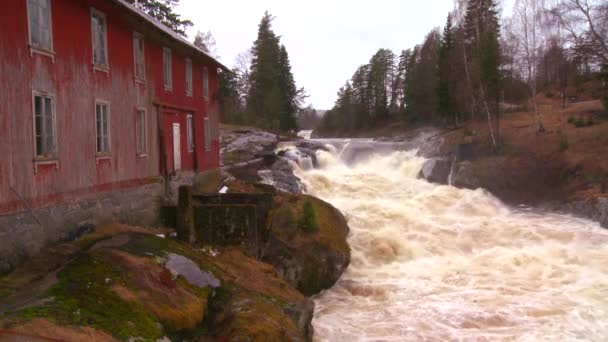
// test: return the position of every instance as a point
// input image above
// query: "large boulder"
(310, 257)
(243, 146)
(595, 209)
(465, 176)
(436, 170)
(136, 286)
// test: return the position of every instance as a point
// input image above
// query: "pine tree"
(446, 108)
(163, 11)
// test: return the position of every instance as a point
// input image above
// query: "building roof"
(169, 32)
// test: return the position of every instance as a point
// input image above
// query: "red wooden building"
(95, 96)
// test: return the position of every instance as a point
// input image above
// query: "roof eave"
(171, 34)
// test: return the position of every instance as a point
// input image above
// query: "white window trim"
(103, 155)
(207, 131)
(190, 132)
(168, 86)
(206, 89)
(145, 147)
(36, 49)
(40, 159)
(99, 67)
(189, 78)
(138, 78)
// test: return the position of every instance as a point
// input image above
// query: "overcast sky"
(326, 39)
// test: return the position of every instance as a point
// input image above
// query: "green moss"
(83, 297)
(563, 142)
(308, 221)
(147, 245)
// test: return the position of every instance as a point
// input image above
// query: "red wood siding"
(70, 78)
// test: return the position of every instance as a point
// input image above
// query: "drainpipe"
(162, 155)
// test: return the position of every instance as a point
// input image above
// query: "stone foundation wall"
(23, 235)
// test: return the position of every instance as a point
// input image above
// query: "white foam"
(433, 262)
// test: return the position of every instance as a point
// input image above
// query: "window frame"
(136, 36)
(50, 51)
(167, 78)
(108, 153)
(96, 66)
(189, 78)
(206, 84)
(144, 151)
(55, 155)
(207, 129)
(190, 132)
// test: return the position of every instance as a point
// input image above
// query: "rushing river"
(436, 263)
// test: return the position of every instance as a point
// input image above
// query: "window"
(100, 43)
(188, 77)
(206, 84)
(39, 18)
(138, 52)
(168, 73)
(44, 126)
(207, 135)
(102, 124)
(190, 132)
(142, 142)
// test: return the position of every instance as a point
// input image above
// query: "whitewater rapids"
(437, 263)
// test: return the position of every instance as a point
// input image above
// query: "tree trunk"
(485, 102)
(466, 71)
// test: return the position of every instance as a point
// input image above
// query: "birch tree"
(527, 17)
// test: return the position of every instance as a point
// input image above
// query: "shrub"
(308, 221)
(571, 120)
(580, 122)
(563, 142)
(590, 122)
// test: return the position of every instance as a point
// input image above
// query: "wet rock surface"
(436, 170)
(179, 265)
(243, 146)
(594, 209)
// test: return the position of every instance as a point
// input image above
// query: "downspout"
(162, 155)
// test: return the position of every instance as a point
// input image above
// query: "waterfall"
(437, 263)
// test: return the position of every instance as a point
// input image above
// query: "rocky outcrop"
(436, 170)
(137, 286)
(310, 260)
(243, 146)
(595, 209)
(465, 176)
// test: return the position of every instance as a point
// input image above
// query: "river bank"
(561, 169)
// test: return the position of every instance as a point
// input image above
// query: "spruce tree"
(289, 92)
(163, 12)
(273, 98)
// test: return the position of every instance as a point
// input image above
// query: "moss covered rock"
(125, 286)
(310, 256)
